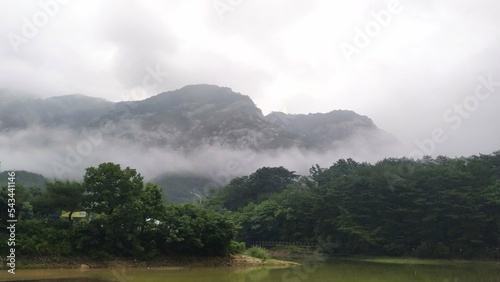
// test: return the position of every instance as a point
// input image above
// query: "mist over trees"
(175, 132)
(431, 208)
(434, 207)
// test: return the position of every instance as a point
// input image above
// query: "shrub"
(441, 250)
(257, 252)
(424, 250)
(237, 247)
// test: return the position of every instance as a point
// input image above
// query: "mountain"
(70, 111)
(183, 188)
(24, 178)
(324, 130)
(186, 140)
(192, 117)
(198, 115)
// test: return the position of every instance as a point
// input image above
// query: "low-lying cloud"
(62, 153)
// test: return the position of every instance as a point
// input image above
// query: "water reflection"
(338, 270)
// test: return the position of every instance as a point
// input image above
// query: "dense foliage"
(126, 218)
(433, 207)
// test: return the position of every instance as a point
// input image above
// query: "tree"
(24, 196)
(255, 188)
(108, 187)
(60, 196)
(150, 205)
(190, 229)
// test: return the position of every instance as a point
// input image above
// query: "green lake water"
(337, 270)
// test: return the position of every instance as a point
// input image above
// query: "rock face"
(71, 111)
(194, 116)
(189, 118)
(323, 131)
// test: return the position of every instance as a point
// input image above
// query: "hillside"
(70, 111)
(191, 117)
(25, 178)
(182, 139)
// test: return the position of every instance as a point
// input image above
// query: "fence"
(281, 243)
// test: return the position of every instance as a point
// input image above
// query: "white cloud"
(283, 54)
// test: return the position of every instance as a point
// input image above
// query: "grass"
(257, 252)
(416, 261)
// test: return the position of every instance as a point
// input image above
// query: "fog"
(425, 71)
(64, 154)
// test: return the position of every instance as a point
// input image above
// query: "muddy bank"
(84, 263)
(297, 254)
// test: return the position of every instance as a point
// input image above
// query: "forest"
(429, 208)
(126, 218)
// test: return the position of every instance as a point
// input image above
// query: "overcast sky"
(408, 65)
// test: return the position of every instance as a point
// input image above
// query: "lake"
(334, 270)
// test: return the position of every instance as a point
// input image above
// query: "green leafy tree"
(256, 187)
(60, 196)
(191, 229)
(108, 187)
(150, 206)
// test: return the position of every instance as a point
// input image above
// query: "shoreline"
(85, 263)
(279, 258)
